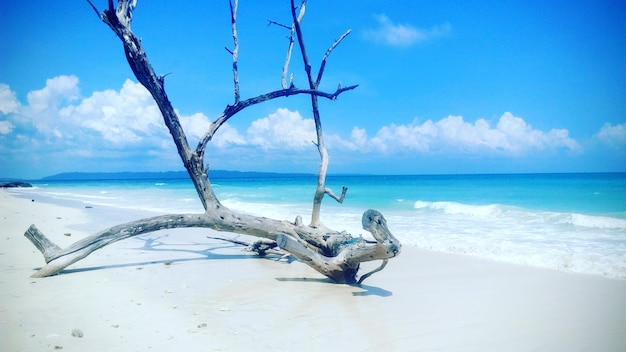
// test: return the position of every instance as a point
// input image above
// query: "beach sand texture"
(177, 290)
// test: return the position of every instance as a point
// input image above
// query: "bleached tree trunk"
(335, 254)
(320, 190)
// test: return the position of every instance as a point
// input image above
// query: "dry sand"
(179, 291)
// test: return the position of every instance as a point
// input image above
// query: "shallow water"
(571, 222)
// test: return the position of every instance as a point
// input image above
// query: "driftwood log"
(335, 254)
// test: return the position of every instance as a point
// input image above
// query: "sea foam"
(564, 241)
(522, 219)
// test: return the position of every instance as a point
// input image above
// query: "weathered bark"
(335, 254)
(235, 51)
(341, 265)
(320, 190)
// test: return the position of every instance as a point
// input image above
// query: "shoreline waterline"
(518, 219)
(179, 290)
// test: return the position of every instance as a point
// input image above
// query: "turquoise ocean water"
(570, 222)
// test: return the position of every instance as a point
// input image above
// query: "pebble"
(77, 333)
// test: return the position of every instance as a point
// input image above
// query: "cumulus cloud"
(393, 34)
(6, 127)
(511, 135)
(283, 129)
(613, 135)
(58, 90)
(128, 118)
(288, 130)
(228, 135)
(128, 122)
(123, 118)
(58, 115)
(8, 100)
(195, 125)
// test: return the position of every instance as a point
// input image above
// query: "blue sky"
(444, 87)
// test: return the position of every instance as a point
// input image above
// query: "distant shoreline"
(221, 174)
(82, 176)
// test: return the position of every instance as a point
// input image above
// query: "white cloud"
(393, 34)
(8, 100)
(283, 129)
(612, 135)
(511, 135)
(57, 116)
(57, 91)
(198, 124)
(127, 122)
(228, 135)
(129, 119)
(44, 106)
(195, 125)
(6, 127)
(288, 130)
(123, 118)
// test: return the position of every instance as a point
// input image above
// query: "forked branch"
(335, 254)
(321, 189)
(232, 110)
(349, 253)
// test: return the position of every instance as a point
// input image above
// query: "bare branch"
(344, 265)
(289, 49)
(296, 23)
(125, 11)
(270, 22)
(119, 21)
(330, 49)
(287, 60)
(351, 253)
(220, 220)
(335, 254)
(231, 110)
(340, 199)
(320, 190)
(261, 246)
(94, 8)
(235, 52)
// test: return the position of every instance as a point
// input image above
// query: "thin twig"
(296, 23)
(289, 49)
(287, 60)
(330, 49)
(231, 110)
(94, 8)
(339, 199)
(235, 51)
(270, 22)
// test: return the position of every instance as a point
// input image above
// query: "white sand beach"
(177, 290)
